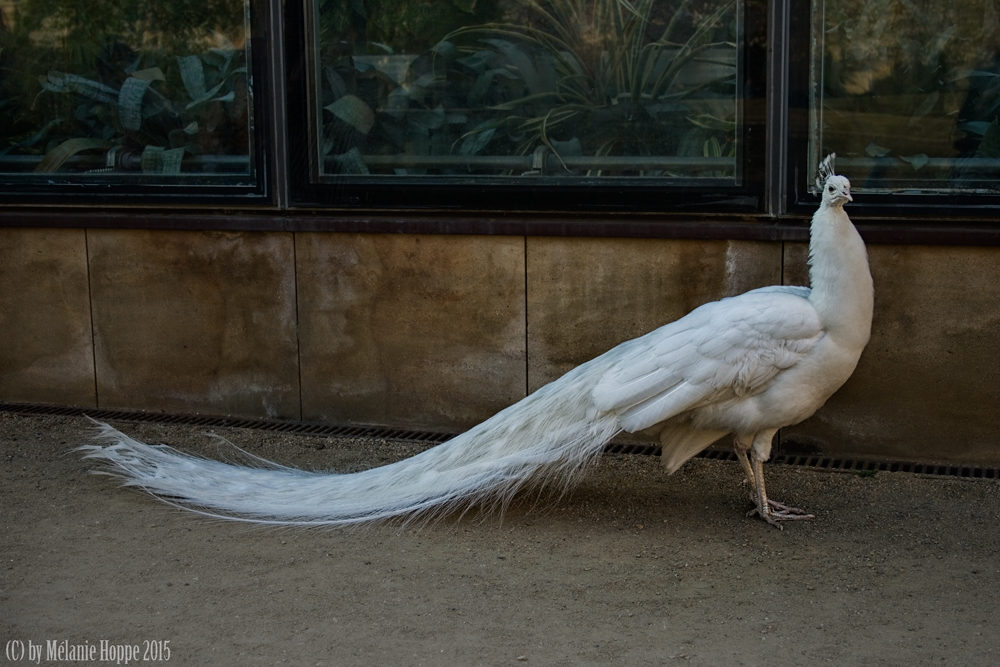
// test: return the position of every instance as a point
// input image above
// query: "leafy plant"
(596, 80)
(573, 77)
(115, 76)
(192, 104)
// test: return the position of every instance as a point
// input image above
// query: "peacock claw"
(785, 509)
(778, 512)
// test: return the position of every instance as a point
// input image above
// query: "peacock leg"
(769, 510)
(741, 455)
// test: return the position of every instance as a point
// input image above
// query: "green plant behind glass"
(584, 77)
(85, 76)
(597, 84)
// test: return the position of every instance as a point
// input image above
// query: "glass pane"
(636, 89)
(906, 93)
(125, 90)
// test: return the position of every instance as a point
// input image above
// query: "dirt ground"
(633, 568)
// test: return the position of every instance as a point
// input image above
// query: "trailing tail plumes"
(746, 365)
(546, 438)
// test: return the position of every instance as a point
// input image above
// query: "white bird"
(746, 365)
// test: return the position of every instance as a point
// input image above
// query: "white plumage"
(746, 365)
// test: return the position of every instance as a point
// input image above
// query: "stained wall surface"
(443, 331)
(46, 345)
(195, 321)
(409, 329)
(928, 384)
(586, 295)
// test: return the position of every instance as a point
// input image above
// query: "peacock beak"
(848, 195)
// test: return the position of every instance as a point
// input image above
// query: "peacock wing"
(723, 350)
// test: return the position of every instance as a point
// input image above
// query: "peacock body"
(746, 365)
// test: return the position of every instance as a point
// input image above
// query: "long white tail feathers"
(547, 438)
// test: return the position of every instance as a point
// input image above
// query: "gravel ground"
(633, 567)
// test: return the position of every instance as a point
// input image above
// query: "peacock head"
(836, 189)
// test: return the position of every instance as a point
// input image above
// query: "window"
(499, 88)
(482, 97)
(907, 93)
(548, 106)
(126, 93)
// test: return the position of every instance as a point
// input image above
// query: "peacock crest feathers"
(826, 170)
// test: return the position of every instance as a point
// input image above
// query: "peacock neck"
(842, 290)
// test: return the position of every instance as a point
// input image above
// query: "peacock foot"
(777, 512)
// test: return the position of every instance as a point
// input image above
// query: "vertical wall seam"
(90, 304)
(779, 436)
(527, 381)
(781, 268)
(298, 326)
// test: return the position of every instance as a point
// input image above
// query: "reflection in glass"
(117, 88)
(586, 88)
(906, 93)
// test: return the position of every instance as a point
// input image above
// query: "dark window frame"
(528, 195)
(916, 210)
(773, 203)
(71, 190)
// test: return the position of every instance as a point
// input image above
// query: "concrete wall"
(46, 344)
(443, 331)
(413, 330)
(928, 384)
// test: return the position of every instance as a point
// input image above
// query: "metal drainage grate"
(862, 466)
(436, 437)
(281, 426)
(827, 462)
